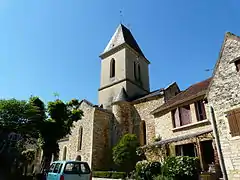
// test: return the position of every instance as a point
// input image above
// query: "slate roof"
(123, 35)
(192, 92)
(150, 95)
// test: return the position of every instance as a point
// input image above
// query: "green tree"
(17, 129)
(124, 153)
(54, 124)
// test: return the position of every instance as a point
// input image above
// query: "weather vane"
(121, 17)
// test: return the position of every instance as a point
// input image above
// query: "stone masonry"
(223, 96)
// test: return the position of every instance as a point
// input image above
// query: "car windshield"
(76, 168)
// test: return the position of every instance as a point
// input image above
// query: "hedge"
(109, 174)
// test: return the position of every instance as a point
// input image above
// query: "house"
(224, 99)
(183, 124)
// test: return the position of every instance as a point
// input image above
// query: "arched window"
(64, 153)
(142, 133)
(80, 133)
(135, 70)
(112, 68)
(78, 158)
(139, 72)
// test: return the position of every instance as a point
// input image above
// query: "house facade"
(223, 96)
(183, 123)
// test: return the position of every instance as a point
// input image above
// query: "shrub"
(124, 153)
(147, 169)
(162, 177)
(109, 174)
(181, 167)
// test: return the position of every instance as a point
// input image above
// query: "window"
(139, 73)
(135, 70)
(234, 122)
(186, 150)
(76, 168)
(112, 68)
(51, 168)
(57, 168)
(78, 158)
(142, 133)
(200, 110)
(80, 134)
(64, 153)
(181, 116)
(237, 64)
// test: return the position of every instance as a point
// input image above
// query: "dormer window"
(112, 68)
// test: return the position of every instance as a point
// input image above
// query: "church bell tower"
(123, 68)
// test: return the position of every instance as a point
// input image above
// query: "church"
(125, 103)
(202, 120)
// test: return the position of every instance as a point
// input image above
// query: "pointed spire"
(123, 35)
(122, 96)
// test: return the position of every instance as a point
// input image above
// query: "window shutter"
(177, 118)
(233, 123)
(237, 122)
(203, 112)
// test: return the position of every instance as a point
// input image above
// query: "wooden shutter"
(185, 115)
(203, 112)
(234, 124)
(176, 118)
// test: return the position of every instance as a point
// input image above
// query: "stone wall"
(101, 152)
(87, 135)
(143, 109)
(223, 96)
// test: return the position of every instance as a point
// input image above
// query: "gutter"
(219, 149)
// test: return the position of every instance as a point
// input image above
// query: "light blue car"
(69, 170)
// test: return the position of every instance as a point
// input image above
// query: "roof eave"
(178, 103)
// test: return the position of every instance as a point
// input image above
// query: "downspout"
(219, 149)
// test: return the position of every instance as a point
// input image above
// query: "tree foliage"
(124, 153)
(17, 130)
(55, 123)
(32, 120)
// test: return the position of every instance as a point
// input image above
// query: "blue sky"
(49, 46)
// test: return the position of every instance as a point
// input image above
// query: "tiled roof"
(121, 36)
(193, 91)
(180, 138)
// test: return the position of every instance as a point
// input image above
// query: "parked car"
(69, 170)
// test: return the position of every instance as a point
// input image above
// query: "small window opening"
(112, 68)
(139, 73)
(135, 70)
(64, 153)
(237, 64)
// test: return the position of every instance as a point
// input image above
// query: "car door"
(54, 171)
(76, 171)
(50, 174)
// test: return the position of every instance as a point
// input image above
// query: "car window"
(76, 168)
(56, 168)
(51, 167)
(59, 170)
